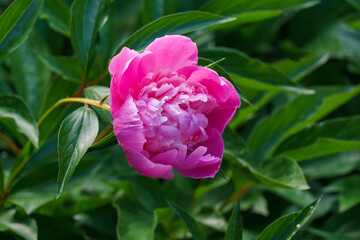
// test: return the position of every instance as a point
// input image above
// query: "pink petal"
(220, 118)
(166, 158)
(117, 65)
(132, 76)
(128, 127)
(214, 143)
(233, 100)
(173, 52)
(207, 166)
(146, 167)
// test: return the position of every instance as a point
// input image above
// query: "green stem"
(74, 100)
(27, 147)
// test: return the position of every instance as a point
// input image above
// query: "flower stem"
(25, 154)
(16, 150)
(73, 100)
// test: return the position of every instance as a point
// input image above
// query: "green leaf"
(331, 166)
(68, 68)
(30, 77)
(76, 134)
(194, 229)
(107, 141)
(273, 172)
(229, 7)
(214, 66)
(297, 70)
(134, 221)
(338, 39)
(325, 138)
(234, 230)
(57, 13)
(18, 223)
(179, 23)
(16, 23)
(154, 9)
(294, 116)
(285, 227)
(252, 73)
(87, 16)
(281, 172)
(355, 3)
(348, 189)
(31, 200)
(98, 93)
(13, 107)
(58, 89)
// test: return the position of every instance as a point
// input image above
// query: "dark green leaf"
(16, 23)
(31, 200)
(30, 77)
(281, 172)
(214, 66)
(87, 16)
(355, 3)
(98, 93)
(57, 13)
(194, 229)
(179, 23)
(19, 223)
(293, 117)
(325, 138)
(154, 9)
(348, 189)
(274, 172)
(68, 68)
(76, 134)
(234, 230)
(13, 107)
(331, 166)
(134, 221)
(228, 7)
(339, 40)
(107, 141)
(252, 73)
(297, 70)
(285, 227)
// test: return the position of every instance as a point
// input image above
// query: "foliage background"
(295, 138)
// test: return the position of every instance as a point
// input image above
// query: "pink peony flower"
(168, 112)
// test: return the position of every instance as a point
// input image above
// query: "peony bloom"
(168, 112)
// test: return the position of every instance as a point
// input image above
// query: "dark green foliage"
(296, 137)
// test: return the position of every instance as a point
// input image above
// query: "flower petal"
(128, 127)
(132, 76)
(118, 63)
(214, 143)
(173, 52)
(146, 167)
(166, 158)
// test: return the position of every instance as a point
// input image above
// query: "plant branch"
(24, 156)
(16, 150)
(73, 100)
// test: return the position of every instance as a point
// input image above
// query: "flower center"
(173, 113)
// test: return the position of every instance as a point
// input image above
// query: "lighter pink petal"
(146, 167)
(207, 166)
(128, 127)
(173, 52)
(166, 158)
